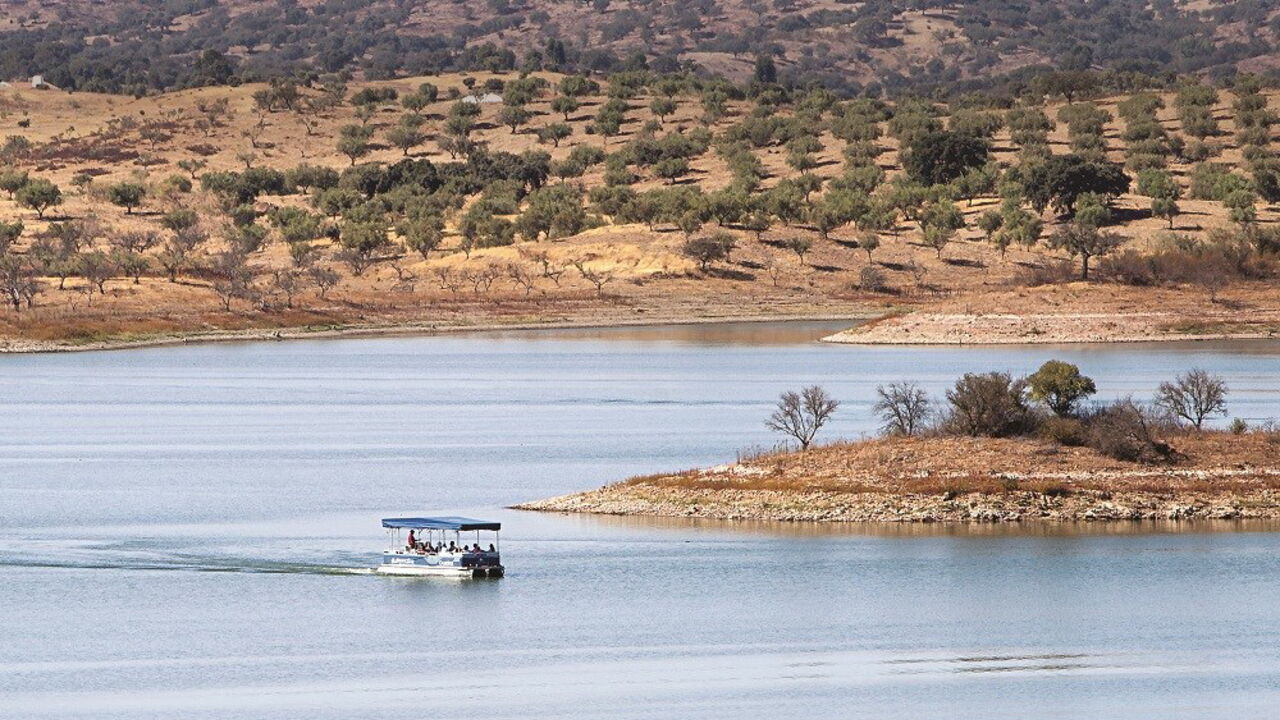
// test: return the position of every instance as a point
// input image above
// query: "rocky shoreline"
(929, 328)
(826, 506)
(959, 480)
(9, 345)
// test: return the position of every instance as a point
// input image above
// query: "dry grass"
(1210, 462)
(99, 135)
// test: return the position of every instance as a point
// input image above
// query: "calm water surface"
(185, 533)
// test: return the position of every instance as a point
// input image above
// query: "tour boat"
(437, 548)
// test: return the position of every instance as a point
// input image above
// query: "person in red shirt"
(411, 540)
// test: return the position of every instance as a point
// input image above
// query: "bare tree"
(96, 268)
(482, 278)
(903, 407)
(1193, 396)
(519, 275)
(18, 282)
(287, 283)
(323, 278)
(595, 277)
(550, 269)
(231, 278)
(802, 414)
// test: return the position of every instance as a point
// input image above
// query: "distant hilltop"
(876, 46)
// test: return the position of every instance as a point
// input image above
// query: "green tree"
(11, 181)
(989, 222)
(1060, 180)
(798, 245)
(353, 141)
(1240, 207)
(362, 241)
(662, 107)
(1018, 227)
(938, 158)
(554, 133)
(939, 223)
(423, 233)
(1060, 385)
(9, 234)
(706, 250)
(127, 195)
(1085, 242)
(1092, 209)
(1164, 192)
(405, 137)
(513, 116)
(671, 169)
(39, 195)
(566, 105)
(766, 71)
(868, 242)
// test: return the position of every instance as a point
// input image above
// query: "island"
(1217, 475)
(993, 448)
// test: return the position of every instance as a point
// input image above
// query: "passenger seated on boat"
(475, 547)
(492, 548)
(452, 547)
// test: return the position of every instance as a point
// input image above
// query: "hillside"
(136, 46)
(594, 208)
(950, 479)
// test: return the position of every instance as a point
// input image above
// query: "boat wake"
(256, 567)
(88, 557)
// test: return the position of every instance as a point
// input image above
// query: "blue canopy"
(440, 523)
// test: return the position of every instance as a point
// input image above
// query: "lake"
(187, 531)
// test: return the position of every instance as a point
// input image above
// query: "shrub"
(1052, 272)
(872, 279)
(992, 404)
(1064, 431)
(1126, 431)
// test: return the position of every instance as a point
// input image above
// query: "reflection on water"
(186, 532)
(917, 529)
(720, 333)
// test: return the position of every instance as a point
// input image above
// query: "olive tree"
(39, 195)
(1059, 385)
(1086, 242)
(126, 195)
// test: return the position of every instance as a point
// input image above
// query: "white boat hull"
(425, 571)
(449, 566)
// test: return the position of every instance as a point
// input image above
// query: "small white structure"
(37, 82)
(485, 99)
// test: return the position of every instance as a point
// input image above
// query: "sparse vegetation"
(633, 190)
